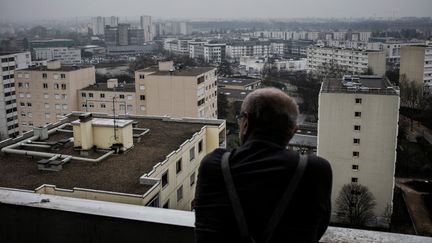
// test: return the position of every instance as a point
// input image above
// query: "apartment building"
(416, 64)
(98, 24)
(239, 83)
(250, 48)
(357, 133)
(196, 49)
(155, 169)
(214, 53)
(10, 63)
(186, 92)
(321, 59)
(66, 55)
(111, 98)
(45, 94)
(146, 25)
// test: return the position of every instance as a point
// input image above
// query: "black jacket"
(261, 171)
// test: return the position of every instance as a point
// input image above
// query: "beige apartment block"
(357, 134)
(156, 163)
(416, 64)
(45, 94)
(111, 98)
(185, 92)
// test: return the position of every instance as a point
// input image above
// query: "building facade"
(188, 92)
(323, 59)
(65, 55)
(357, 133)
(416, 64)
(147, 26)
(45, 94)
(10, 63)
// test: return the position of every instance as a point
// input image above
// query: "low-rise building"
(111, 98)
(67, 56)
(156, 161)
(239, 83)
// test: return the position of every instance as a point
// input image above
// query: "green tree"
(225, 69)
(355, 205)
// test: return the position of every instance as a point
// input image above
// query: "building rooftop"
(234, 94)
(236, 81)
(128, 87)
(117, 173)
(362, 84)
(63, 68)
(186, 71)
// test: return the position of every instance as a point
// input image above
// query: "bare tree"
(411, 96)
(355, 205)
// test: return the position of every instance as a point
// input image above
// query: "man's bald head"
(271, 113)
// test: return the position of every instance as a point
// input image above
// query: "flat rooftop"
(128, 87)
(63, 68)
(234, 94)
(363, 84)
(186, 71)
(117, 173)
(237, 81)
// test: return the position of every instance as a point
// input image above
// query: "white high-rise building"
(8, 107)
(112, 21)
(98, 25)
(357, 133)
(146, 25)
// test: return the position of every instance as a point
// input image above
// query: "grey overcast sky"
(233, 9)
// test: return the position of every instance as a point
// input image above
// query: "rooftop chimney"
(166, 66)
(53, 64)
(112, 83)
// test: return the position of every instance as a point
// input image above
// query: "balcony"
(31, 217)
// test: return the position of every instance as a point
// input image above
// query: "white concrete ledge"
(172, 217)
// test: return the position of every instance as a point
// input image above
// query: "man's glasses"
(239, 116)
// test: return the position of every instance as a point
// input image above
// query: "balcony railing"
(32, 217)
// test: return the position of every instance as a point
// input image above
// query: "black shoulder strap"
(280, 209)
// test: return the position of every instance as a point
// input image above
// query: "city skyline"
(223, 9)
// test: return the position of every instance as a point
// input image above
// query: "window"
(83, 95)
(122, 107)
(129, 107)
(20, 85)
(142, 87)
(102, 95)
(179, 193)
(201, 101)
(26, 85)
(44, 75)
(166, 204)
(357, 114)
(62, 75)
(102, 105)
(46, 96)
(178, 166)
(154, 202)
(121, 96)
(28, 95)
(90, 95)
(356, 127)
(57, 106)
(200, 145)
(165, 179)
(142, 97)
(63, 96)
(142, 108)
(192, 154)
(354, 179)
(56, 86)
(47, 115)
(200, 80)
(192, 179)
(22, 104)
(46, 105)
(129, 97)
(63, 86)
(29, 114)
(356, 140)
(356, 154)
(91, 105)
(65, 107)
(141, 76)
(29, 104)
(355, 167)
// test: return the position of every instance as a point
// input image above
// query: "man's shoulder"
(213, 159)
(319, 167)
